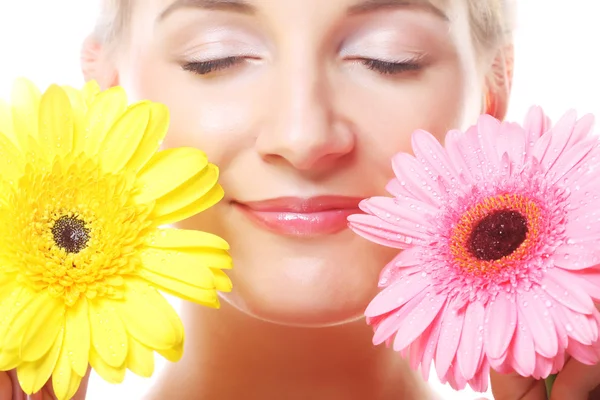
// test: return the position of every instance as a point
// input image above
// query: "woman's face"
(301, 103)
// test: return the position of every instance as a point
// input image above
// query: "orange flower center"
(495, 233)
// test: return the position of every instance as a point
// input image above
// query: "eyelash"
(211, 66)
(379, 66)
(388, 67)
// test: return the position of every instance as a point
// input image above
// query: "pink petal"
(432, 343)
(578, 326)
(501, 321)
(583, 128)
(541, 146)
(561, 286)
(432, 155)
(455, 378)
(394, 188)
(387, 327)
(419, 318)
(452, 325)
(479, 383)
(397, 294)
(539, 322)
(585, 354)
(488, 128)
(561, 135)
(500, 364)
(574, 258)
(408, 215)
(454, 142)
(416, 181)
(471, 341)
(536, 123)
(570, 160)
(512, 141)
(380, 232)
(522, 356)
(405, 263)
(543, 366)
(589, 281)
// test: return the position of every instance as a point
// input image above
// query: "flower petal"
(500, 324)
(77, 336)
(573, 257)
(12, 160)
(6, 123)
(169, 238)
(408, 215)
(536, 124)
(25, 101)
(397, 294)
(156, 130)
(34, 375)
(42, 321)
(454, 147)
(104, 110)
(414, 180)
(560, 136)
(539, 322)
(149, 318)
(381, 232)
(181, 289)
(418, 319)
(11, 306)
(157, 179)
(578, 326)
(123, 138)
(197, 187)
(452, 326)
(65, 382)
(56, 121)
(556, 284)
(107, 372)
(487, 130)
(431, 344)
(470, 348)
(174, 354)
(585, 354)
(522, 356)
(109, 338)
(186, 209)
(407, 262)
(430, 153)
(186, 265)
(140, 359)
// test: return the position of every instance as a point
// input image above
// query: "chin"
(320, 296)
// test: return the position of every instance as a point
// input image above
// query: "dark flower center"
(497, 235)
(70, 234)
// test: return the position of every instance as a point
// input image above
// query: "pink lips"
(294, 216)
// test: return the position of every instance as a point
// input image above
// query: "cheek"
(201, 115)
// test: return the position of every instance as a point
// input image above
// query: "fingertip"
(5, 386)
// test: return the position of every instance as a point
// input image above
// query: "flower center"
(498, 235)
(70, 233)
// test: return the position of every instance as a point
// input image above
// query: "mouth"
(301, 217)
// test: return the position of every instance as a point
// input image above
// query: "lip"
(301, 217)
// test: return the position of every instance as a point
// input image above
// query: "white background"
(557, 67)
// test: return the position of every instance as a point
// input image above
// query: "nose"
(302, 128)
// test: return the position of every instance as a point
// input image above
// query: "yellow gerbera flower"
(83, 194)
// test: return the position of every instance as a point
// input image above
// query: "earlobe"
(96, 65)
(499, 83)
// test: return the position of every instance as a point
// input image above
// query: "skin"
(301, 114)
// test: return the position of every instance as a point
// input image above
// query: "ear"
(499, 83)
(97, 65)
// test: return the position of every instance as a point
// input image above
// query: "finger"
(516, 387)
(17, 392)
(576, 381)
(5, 387)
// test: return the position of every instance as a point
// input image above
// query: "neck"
(229, 355)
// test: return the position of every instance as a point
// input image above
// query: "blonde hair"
(491, 21)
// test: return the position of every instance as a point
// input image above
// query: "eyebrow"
(379, 5)
(239, 6)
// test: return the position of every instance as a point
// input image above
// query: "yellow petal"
(124, 136)
(79, 109)
(6, 124)
(56, 121)
(140, 359)
(90, 90)
(12, 303)
(37, 326)
(25, 101)
(12, 161)
(174, 354)
(167, 170)
(107, 372)
(105, 109)
(222, 281)
(170, 238)
(77, 336)
(195, 188)
(33, 375)
(65, 382)
(149, 318)
(153, 137)
(109, 338)
(189, 266)
(183, 290)
(187, 210)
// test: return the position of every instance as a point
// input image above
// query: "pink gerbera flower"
(499, 234)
